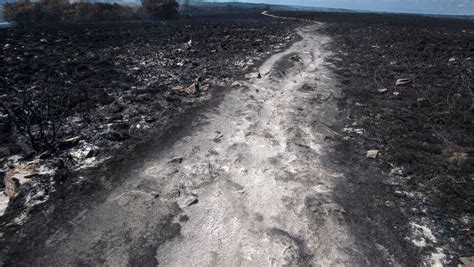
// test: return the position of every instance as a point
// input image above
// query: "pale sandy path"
(247, 187)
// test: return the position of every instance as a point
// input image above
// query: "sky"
(446, 7)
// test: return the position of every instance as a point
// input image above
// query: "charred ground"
(423, 130)
(115, 88)
(120, 74)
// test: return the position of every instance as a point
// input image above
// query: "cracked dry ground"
(246, 182)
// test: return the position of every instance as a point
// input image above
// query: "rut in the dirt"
(246, 187)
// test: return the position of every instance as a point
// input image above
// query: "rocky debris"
(18, 175)
(296, 58)
(12, 185)
(68, 143)
(412, 127)
(177, 160)
(192, 89)
(372, 154)
(403, 81)
(382, 90)
(119, 88)
(467, 261)
(83, 155)
(399, 193)
(189, 201)
(21, 173)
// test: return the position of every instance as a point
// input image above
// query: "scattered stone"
(191, 200)
(218, 137)
(12, 185)
(296, 58)
(399, 193)
(192, 89)
(68, 143)
(452, 60)
(306, 88)
(259, 76)
(372, 153)
(20, 175)
(403, 81)
(188, 201)
(176, 160)
(83, 152)
(235, 84)
(467, 261)
(383, 90)
(396, 93)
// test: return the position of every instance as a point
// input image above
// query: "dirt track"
(251, 181)
(246, 187)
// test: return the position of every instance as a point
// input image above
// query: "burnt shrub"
(56, 12)
(161, 8)
(39, 114)
(94, 12)
(46, 12)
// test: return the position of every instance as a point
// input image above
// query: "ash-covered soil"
(422, 127)
(99, 91)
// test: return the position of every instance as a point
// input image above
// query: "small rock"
(11, 186)
(396, 93)
(19, 175)
(399, 193)
(383, 90)
(452, 60)
(467, 261)
(259, 76)
(296, 58)
(403, 81)
(176, 160)
(68, 143)
(192, 89)
(189, 201)
(372, 153)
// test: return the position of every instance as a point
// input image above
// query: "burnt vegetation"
(59, 12)
(109, 82)
(422, 125)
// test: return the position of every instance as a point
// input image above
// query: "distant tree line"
(54, 12)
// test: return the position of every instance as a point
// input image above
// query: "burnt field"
(71, 96)
(422, 125)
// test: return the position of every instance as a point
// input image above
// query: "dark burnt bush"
(39, 114)
(95, 12)
(44, 13)
(161, 8)
(56, 12)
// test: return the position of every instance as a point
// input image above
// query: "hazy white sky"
(456, 7)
